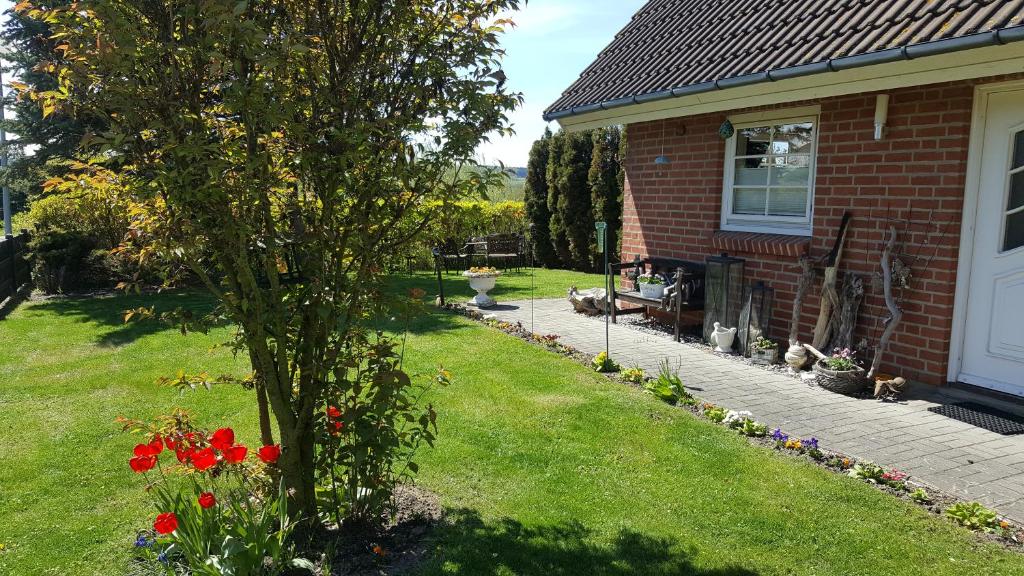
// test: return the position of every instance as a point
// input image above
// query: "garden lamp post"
(602, 237)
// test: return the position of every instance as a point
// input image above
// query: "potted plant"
(482, 280)
(840, 372)
(764, 351)
(651, 285)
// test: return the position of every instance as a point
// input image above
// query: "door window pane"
(749, 201)
(1016, 192)
(1018, 150)
(1014, 231)
(787, 202)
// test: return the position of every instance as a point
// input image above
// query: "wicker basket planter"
(841, 381)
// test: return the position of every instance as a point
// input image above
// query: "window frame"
(766, 224)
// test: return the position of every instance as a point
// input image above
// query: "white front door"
(993, 348)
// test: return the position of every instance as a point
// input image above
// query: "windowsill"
(760, 243)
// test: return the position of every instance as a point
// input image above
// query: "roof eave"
(938, 47)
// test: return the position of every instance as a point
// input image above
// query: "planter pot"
(482, 285)
(764, 356)
(722, 338)
(652, 290)
(841, 381)
(796, 357)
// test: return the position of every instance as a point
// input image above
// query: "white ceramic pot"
(482, 285)
(796, 357)
(652, 290)
(722, 338)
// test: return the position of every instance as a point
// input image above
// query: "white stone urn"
(482, 282)
(796, 357)
(722, 338)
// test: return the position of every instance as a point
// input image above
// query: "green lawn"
(512, 285)
(545, 467)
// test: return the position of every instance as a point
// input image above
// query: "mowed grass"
(545, 467)
(512, 285)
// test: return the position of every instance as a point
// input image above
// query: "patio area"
(952, 456)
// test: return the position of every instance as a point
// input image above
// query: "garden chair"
(504, 249)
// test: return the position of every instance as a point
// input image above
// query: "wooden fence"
(14, 266)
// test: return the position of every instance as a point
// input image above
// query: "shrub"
(370, 429)
(973, 515)
(920, 496)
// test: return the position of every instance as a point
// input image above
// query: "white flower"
(734, 416)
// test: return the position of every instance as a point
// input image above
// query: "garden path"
(957, 458)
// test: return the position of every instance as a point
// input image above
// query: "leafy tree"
(536, 200)
(573, 201)
(52, 139)
(606, 187)
(278, 148)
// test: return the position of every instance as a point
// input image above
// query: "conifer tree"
(536, 200)
(606, 188)
(575, 212)
(556, 227)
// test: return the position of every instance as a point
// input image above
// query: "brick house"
(753, 126)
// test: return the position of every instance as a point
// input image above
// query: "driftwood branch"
(806, 279)
(815, 351)
(829, 297)
(895, 313)
(846, 315)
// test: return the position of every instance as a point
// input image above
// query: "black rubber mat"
(983, 417)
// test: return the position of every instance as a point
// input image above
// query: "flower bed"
(971, 515)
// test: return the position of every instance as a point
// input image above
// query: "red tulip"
(235, 454)
(207, 500)
(156, 446)
(223, 439)
(166, 523)
(142, 463)
(204, 459)
(184, 454)
(333, 412)
(171, 443)
(269, 454)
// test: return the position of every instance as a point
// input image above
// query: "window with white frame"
(769, 176)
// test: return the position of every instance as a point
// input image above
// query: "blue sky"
(553, 41)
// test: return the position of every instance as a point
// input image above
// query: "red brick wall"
(916, 172)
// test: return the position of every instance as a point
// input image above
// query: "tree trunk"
(297, 470)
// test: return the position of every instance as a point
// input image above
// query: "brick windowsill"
(756, 243)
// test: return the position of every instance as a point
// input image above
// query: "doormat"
(983, 417)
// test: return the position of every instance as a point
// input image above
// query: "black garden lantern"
(755, 316)
(723, 292)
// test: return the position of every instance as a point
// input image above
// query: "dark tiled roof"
(675, 44)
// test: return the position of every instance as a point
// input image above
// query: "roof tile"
(672, 44)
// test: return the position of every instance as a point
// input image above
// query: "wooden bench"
(686, 292)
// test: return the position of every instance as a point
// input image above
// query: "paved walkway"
(952, 456)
